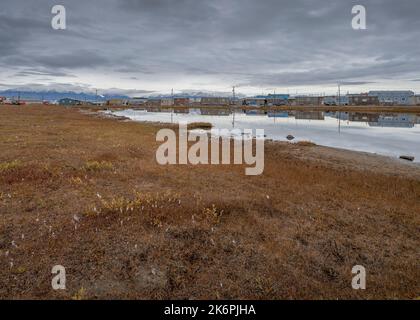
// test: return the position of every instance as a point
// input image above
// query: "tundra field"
(86, 192)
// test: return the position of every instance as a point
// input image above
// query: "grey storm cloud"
(246, 42)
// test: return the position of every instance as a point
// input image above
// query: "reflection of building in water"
(254, 112)
(182, 110)
(214, 112)
(398, 121)
(338, 115)
(278, 114)
(363, 117)
(309, 115)
(194, 111)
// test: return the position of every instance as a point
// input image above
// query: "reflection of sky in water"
(391, 136)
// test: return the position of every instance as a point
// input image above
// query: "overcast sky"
(145, 46)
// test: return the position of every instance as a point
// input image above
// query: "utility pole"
(233, 95)
(339, 108)
(173, 105)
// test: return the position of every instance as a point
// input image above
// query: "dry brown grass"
(130, 228)
(305, 144)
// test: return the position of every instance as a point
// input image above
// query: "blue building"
(268, 100)
(393, 97)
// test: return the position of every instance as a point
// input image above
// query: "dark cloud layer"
(187, 43)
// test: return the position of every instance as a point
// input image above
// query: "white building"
(137, 101)
(415, 100)
(167, 102)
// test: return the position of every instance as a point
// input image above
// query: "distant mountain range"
(56, 95)
(197, 94)
(82, 96)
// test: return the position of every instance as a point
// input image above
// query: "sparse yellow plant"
(213, 214)
(8, 166)
(115, 205)
(76, 180)
(80, 294)
(21, 270)
(149, 206)
(98, 165)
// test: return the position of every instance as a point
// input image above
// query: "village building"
(415, 100)
(215, 101)
(69, 102)
(116, 102)
(306, 101)
(154, 102)
(363, 99)
(166, 102)
(255, 102)
(136, 101)
(181, 102)
(393, 97)
(335, 101)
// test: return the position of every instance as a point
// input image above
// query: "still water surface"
(385, 134)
